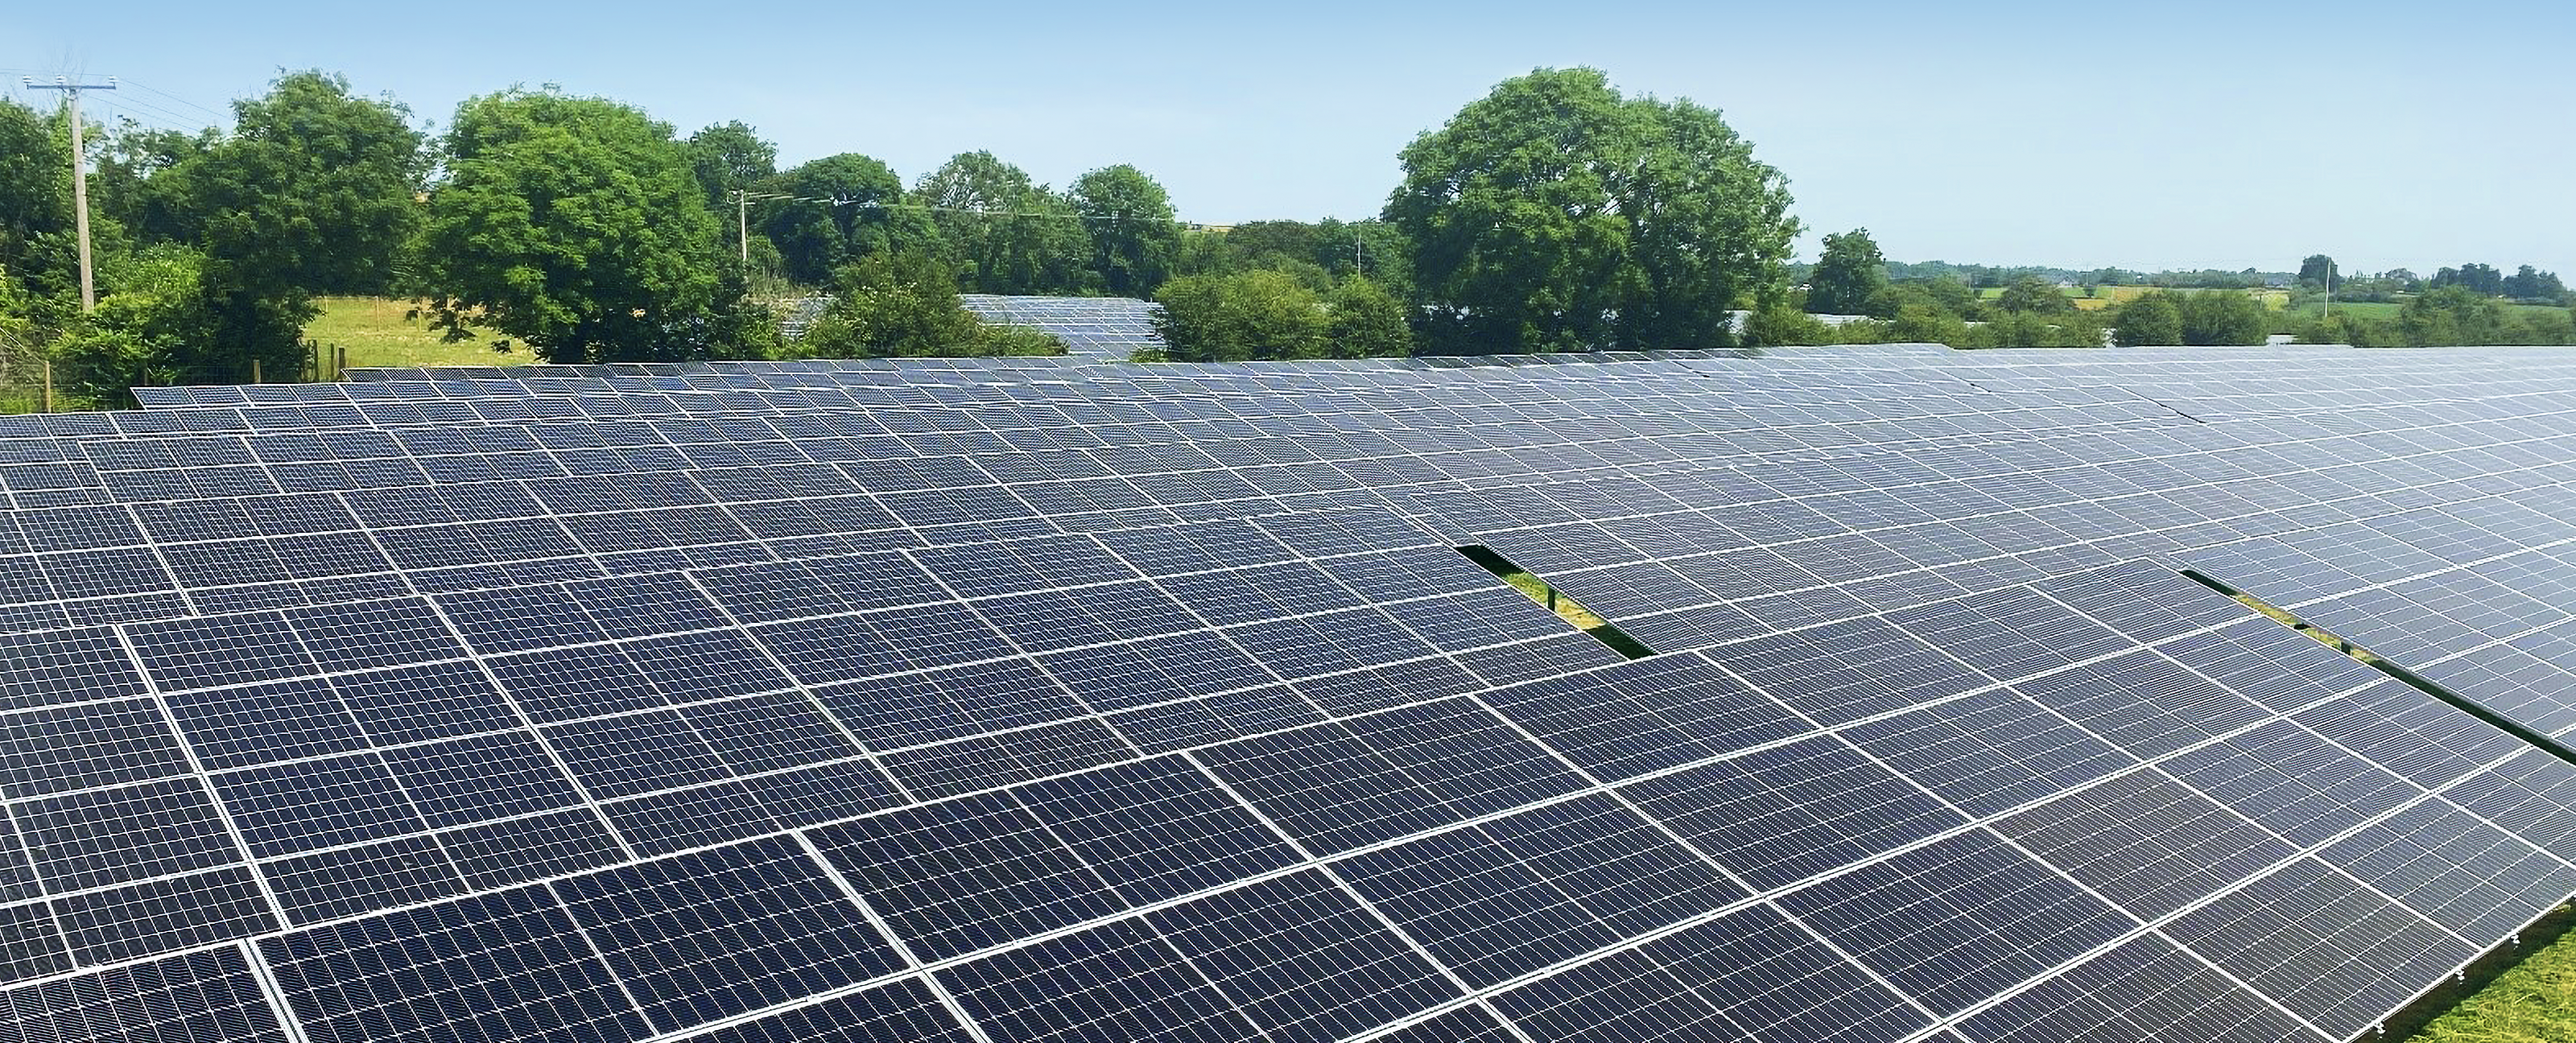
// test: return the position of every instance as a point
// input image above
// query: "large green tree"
(316, 189)
(730, 157)
(577, 226)
(1850, 270)
(1134, 236)
(1554, 213)
(2150, 320)
(842, 208)
(35, 198)
(1004, 232)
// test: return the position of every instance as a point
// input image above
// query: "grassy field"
(376, 334)
(2535, 1002)
(2111, 296)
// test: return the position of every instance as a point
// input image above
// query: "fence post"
(254, 371)
(49, 385)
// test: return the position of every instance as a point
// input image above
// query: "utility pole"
(80, 171)
(2330, 274)
(742, 229)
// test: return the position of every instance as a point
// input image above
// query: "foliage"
(904, 303)
(1259, 314)
(578, 226)
(314, 190)
(2153, 320)
(151, 329)
(2030, 329)
(1553, 213)
(2478, 278)
(1266, 313)
(2219, 317)
(1134, 235)
(2033, 295)
(1919, 324)
(35, 196)
(1778, 325)
(730, 157)
(2319, 270)
(2528, 284)
(843, 209)
(1949, 295)
(1849, 272)
(1002, 231)
(1367, 321)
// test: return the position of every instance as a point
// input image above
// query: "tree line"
(577, 228)
(1553, 213)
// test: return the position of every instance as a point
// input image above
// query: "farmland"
(376, 332)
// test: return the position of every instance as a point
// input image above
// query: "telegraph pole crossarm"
(80, 172)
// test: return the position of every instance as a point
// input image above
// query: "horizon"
(1921, 126)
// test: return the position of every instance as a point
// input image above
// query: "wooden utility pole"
(80, 172)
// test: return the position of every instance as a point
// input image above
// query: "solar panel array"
(1113, 328)
(1004, 700)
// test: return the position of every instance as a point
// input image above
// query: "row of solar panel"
(1316, 794)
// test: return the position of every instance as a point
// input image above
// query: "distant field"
(2389, 309)
(2110, 296)
(376, 334)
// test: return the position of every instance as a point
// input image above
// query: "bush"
(1367, 321)
(2021, 329)
(905, 304)
(1780, 325)
(1923, 324)
(2152, 320)
(2221, 317)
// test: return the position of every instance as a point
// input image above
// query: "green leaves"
(577, 225)
(1555, 214)
(1134, 237)
(1849, 271)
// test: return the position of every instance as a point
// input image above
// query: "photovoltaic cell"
(562, 702)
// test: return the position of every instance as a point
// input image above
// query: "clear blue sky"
(2159, 135)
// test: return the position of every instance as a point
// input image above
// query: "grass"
(376, 333)
(1565, 608)
(2106, 297)
(2532, 1002)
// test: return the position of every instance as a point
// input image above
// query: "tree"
(1554, 213)
(1849, 271)
(2151, 320)
(1134, 237)
(1258, 314)
(35, 198)
(316, 189)
(843, 209)
(2033, 295)
(1367, 322)
(904, 303)
(2221, 317)
(1005, 233)
(2530, 284)
(2319, 270)
(730, 157)
(2478, 278)
(577, 226)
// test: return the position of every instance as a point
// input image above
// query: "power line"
(148, 88)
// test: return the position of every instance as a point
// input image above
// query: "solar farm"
(1955, 697)
(1095, 328)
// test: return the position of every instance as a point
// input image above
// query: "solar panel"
(1007, 699)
